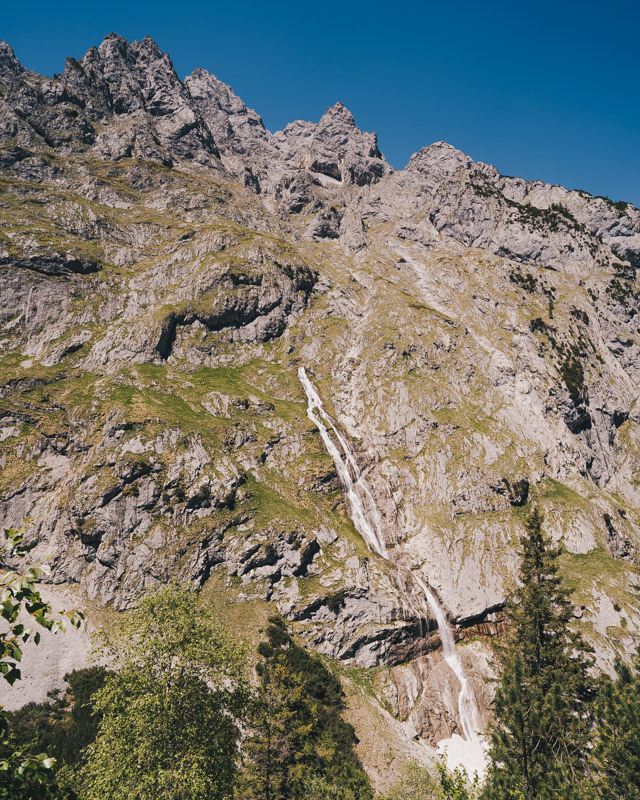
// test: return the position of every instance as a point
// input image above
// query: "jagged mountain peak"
(439, 159)
(528, 221)
(335, 147)
(116, 46)
(10, 66)
(138, 74)
(117, 53)
(113, 42)
(237, 129)
(119, 100)
(337, 114)
(205, 87)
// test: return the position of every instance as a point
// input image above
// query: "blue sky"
(542, 90)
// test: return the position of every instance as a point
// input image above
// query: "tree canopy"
(299, 745)
(616, 753)
(169, 709)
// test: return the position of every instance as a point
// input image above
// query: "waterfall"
(367, 521)
(355, 487)
(467, 708)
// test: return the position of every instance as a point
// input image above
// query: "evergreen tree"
(617, 747)
(299, 745)
(269, 747)
(61, 727)
(539, 742)
(64, 724)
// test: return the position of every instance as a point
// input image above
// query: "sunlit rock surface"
(167, 265)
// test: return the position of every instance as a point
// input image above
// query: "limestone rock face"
(296, 166)
(526, 221)
(238, 129)
(166, 266)
(334, 147)
(133, 88)
(10, 67)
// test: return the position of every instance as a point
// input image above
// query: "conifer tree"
(61, 727)
(299, 745)
(268, 748)
(539, 742)
(617, 747)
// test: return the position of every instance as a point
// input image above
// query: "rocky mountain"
(167, 265)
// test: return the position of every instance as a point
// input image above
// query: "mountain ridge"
(14, 67)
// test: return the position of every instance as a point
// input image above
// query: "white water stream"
(467, 751)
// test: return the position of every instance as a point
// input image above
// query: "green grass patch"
(552, 490)
(583, 572)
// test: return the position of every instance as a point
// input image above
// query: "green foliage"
(19, 593)
(415, 782)
(22, 775)
(63, 725)
(456, 785)
(335, 601)
(555, 218)
(299, 746)
(169, 711)
(539, 741)
(616, 753)
(580, 315)
(527, 282)
(622, 288)
(538, 325)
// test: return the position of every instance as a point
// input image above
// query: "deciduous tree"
(169, 726)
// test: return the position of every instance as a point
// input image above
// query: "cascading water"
(356, 489)
(366, 518)
(467, 709)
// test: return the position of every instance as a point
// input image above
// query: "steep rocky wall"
(166, 264)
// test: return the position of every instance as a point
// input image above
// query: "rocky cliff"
(166, 266)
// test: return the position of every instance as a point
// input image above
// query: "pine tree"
(617, 747)
(268, 749)
(299, 745)
(539, 741)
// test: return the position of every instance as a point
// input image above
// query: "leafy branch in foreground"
(19, 596)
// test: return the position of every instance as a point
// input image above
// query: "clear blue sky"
(547, 90)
